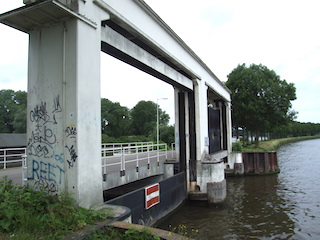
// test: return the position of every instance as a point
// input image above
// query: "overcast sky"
(282, 35)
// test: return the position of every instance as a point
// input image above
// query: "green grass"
(31, 215)
(26, 214)
(274, 144)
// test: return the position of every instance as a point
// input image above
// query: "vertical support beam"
(201, 109)
(64, 122)
(229, 126)
(222, 136)
(192, 142)
(182, 131)
(176, 125)
(187, 128)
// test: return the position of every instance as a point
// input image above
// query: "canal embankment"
(252, 160)
(274, 144)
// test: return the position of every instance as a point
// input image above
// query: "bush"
(27, 214)
(237, 147)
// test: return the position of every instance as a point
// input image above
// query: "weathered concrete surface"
(217, 191)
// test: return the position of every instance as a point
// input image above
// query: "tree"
(20, 115)
(260, 100)
(167, 134)
(115, 119)
(144, 118)
(13, 111)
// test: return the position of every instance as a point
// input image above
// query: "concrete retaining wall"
(112, 179)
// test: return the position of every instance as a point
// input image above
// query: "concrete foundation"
(217, 192)
(209, 172)
(238, 169)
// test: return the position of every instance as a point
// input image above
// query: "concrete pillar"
(187, 130)
(217, 192)
(64, 122)
(221, 126)
(229, 126)
(176, 125)
(201, 109)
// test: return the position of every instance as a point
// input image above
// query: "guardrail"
(121, 156)
(117, 145)
(113, 154)
(11, 156)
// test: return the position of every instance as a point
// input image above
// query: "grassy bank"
(26, 214)
(274, 144)
(31, 215)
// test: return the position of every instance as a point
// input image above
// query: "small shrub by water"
(184, 230)
(110, 233)
(28, 214)
(237, 147)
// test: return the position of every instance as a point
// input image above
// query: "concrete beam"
(134, 55)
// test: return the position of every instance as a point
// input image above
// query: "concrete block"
(238, 169)
(217, 192)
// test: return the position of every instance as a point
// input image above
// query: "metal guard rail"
(123, 152)
(11, 155)
(125, 155)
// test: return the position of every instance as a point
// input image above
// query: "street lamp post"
(158, 118)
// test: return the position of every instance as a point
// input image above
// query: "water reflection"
(283, 206)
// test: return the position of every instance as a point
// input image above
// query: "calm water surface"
(282, 206)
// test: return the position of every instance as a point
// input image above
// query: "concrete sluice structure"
(64, 119)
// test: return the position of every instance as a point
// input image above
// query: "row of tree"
(118, 123)
(137, 124)
(261, 103)
(292, 129)
(295, 129)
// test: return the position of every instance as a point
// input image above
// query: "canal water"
(282, 206)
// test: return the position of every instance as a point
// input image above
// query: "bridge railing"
(119, 157)
(12, 156)
(130, 144)
(113, 155)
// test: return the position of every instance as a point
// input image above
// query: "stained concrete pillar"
(64, 122)
(176, 125)
(201, 109)
(187, 131)
(217, 192)
(229, 126)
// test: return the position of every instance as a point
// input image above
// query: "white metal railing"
(11, 155)
(173, 148)
(113, 154)
(120, 156)
(24, 170)
(130, 144)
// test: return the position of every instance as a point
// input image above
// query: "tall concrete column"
(229, 126)
(187, 131)
(201, 109)
(64, 122)
(176, 125)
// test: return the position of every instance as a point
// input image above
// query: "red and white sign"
(152, 195)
